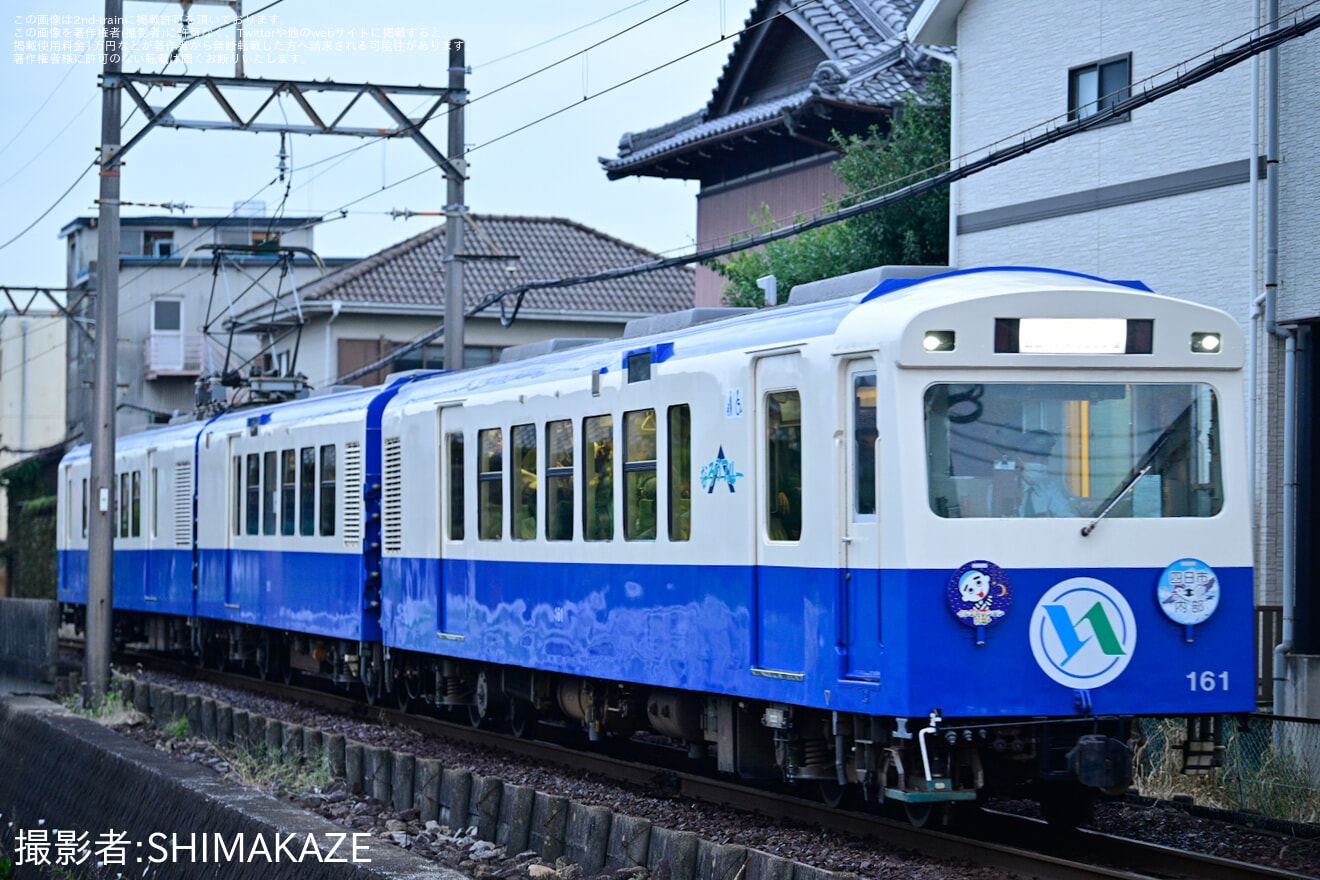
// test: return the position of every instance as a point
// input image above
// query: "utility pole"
(100, 546)
(455, 212)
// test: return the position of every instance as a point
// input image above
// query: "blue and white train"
(927, 540)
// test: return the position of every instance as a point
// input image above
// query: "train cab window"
(598, 488)
(123, 505)
(253, 493)
(135, 512)
(523, 472)
(639, 475)
(559, 480)
(456, 486)
(269, 479)
(237, 499)
(1020, 450)
(307, 490)
(680, 473)
(288, 490)
(490, 484)
(328, 489)
(783, 456)
(864, 435)
(84, 506)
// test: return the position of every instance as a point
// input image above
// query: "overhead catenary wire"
(1216, 64)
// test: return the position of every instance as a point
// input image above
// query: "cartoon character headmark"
(979, 593)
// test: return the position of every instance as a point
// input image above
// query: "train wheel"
(475, 716)
(830, 792)
(918, 815)
(522, 719)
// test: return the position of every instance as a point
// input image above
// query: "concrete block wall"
(29, 644)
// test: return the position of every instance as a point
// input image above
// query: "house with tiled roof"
(798, 74)
(360, 313)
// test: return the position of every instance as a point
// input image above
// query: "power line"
(566, 33)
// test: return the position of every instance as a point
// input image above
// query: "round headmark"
(979, 593)
(1083, 633)
(1188, 592)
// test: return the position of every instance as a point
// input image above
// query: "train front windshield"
(1018, 450)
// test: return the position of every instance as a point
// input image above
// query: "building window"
(158, 244)
(1094, 88)
(166, 315)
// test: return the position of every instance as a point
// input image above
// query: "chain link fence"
(1264, 764)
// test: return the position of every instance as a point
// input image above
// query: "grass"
(1270, 768)
(111, 710)
(259, 767)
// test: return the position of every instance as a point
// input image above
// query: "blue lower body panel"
(775, 634)
(145, 580)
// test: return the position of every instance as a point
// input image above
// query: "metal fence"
(1267, 764)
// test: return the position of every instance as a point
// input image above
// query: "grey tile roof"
(869, 63)
(412, 271)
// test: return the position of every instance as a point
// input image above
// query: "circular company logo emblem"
(1083, 633)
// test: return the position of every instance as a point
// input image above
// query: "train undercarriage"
(922, 768)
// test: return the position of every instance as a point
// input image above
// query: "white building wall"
(1299, 186)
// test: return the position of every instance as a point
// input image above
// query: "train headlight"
(938, 340)
(1206, 343)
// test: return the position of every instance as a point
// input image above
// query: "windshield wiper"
(1142, 468)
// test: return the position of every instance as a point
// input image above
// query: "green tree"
(914, 231)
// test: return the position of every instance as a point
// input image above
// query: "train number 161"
(1207, 681)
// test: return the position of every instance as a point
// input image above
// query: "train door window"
(490, 484)
(864, 436)
(268, 481)
(328, 489)
(559, 480)
(155, 502)
(456, 486)
(307, 491)
(253, 493)
(237, 495)
(598, 490)
(288, 491)
(136, 512)
(680, 472)
(783, 457)
(639, 475)
(123, 505)
(84, 505)
(523, 473)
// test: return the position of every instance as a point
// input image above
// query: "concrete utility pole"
(100, 546)
(455, 212)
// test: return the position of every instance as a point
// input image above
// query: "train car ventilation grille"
(352, 494)
(392, 498)
(183, 503)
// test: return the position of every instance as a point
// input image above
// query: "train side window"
(559, 480)
(523, 472)
(490, 484)
(639, 475)
(680, 472)
(84, 496)
(123, 505)
(307, 491)
(784, 464)
(598, 490)
(288, 490)
(268, 481)
(328, 489)
(864, 435)
(456, 530)
(253, 493)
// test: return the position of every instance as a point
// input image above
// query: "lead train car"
(839, 543)
(821, 540)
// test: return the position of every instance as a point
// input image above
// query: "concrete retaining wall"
(29, 645)
(64, 771)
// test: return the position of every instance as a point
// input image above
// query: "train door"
(234, 469)
(780, 591)
(859, 565)
(451, 583)
(152, 567)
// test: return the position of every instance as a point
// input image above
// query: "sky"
(50, 101)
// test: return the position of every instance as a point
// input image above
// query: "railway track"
(1021, 845)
